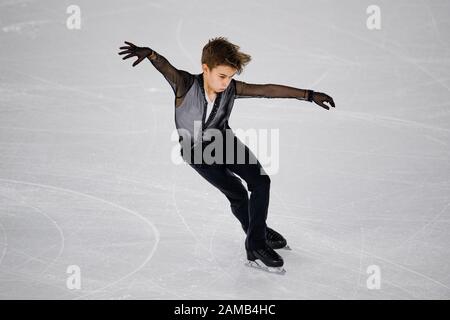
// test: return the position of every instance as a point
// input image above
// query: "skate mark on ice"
(148, 222)
(5, 243)
(361, 253)
(199, 242)
(434, 24)
(332, 245)
(23, 202)
(109, 133)
(428, 222)
(395, 122)
(408, 269)
(402, 57)
(74, 89)
(55, 84)
(178, 37)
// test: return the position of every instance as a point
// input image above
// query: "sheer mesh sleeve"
(179, 80)
(248, 90)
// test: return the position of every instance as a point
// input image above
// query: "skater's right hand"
(132, 50)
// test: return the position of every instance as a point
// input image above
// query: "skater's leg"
(231, 186)
(258, 184)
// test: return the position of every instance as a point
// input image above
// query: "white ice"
(86, 176)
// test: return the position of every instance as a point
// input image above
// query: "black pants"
(252, 213)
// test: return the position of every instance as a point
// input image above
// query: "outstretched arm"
(248, 90)
(179, 80)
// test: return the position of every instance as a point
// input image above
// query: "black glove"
(319, 98)
(132, 50)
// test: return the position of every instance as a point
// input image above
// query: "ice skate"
(265, 259)
(276, 240)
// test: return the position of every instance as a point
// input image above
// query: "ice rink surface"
(87, 180)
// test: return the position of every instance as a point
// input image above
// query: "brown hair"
(219, 51)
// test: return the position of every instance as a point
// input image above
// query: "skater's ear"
(205, 68)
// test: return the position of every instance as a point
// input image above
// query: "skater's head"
(221, 60)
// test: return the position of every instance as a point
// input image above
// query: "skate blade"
(259, 265)
(286, 247)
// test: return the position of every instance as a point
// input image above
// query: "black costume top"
(190, 102)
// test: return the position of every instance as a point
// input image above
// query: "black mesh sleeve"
(248, 90)
(179, 80)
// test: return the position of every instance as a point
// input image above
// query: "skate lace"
(269, 252)
(272, 235)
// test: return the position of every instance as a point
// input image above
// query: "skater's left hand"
(320, 97)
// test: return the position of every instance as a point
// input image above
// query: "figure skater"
(204, 102)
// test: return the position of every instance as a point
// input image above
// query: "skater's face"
(219, 77)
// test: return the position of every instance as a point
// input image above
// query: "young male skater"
(203, 102)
